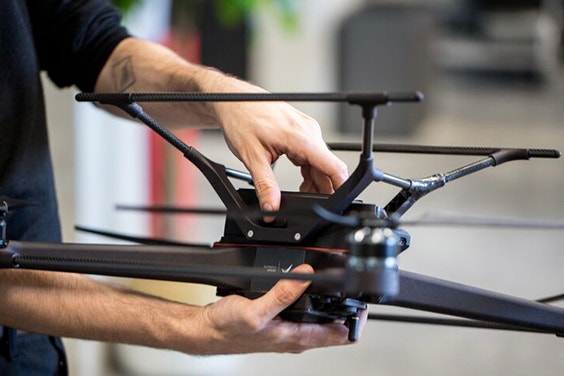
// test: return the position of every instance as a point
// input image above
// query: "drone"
(352, 245)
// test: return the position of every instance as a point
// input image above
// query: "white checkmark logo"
(287, 269)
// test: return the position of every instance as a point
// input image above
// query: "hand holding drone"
(259, 147)
(353, 246)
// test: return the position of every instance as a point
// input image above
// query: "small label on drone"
(275, 259)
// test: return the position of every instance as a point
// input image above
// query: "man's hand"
(238, 325)
(80, 307)
(258, 133)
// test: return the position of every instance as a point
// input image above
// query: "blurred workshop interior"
(492, 75)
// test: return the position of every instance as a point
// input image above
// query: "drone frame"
(351, 274)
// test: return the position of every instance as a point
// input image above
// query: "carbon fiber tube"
(442, 150)
(381, 98)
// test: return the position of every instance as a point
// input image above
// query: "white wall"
(302, 60)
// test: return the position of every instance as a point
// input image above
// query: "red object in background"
(172, 178)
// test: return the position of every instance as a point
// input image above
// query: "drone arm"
(396, 181)
(444, 150)
(215, 173)
(132, 261)
(365, 172)
(418, 188)
(439, 296)
(226, 267)
(408, 196)
(469, 169)
(363, 176)
(241, 175)
(495, 159)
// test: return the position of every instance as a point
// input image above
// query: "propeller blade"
(462, 323)
(449, 219)
(439, 219)
(169, 209)
(428, 219)
(551, 299)
(140, 240)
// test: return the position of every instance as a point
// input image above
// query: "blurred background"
(492, 75)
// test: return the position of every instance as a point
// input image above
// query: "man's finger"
(267, 189)
(321, 162)
(331, 167)
(282, 295)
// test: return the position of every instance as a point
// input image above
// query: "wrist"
(184, 329)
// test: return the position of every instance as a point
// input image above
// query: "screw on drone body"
(250, 234)
(297, 236)
(372, 265)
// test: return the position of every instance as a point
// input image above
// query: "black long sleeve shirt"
(71, 40)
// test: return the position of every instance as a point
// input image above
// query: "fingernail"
(267, 208)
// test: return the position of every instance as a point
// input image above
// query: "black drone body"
(327, 247)
(352, 245)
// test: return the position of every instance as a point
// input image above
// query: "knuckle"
(263, 186)
(342, 166)
(251, 322)
(284, 295)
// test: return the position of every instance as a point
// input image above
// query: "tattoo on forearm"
(123, 75)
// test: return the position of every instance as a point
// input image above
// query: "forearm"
(72, 305)
(75, 306)
(141, 66)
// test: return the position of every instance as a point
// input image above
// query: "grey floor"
(479, 111)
